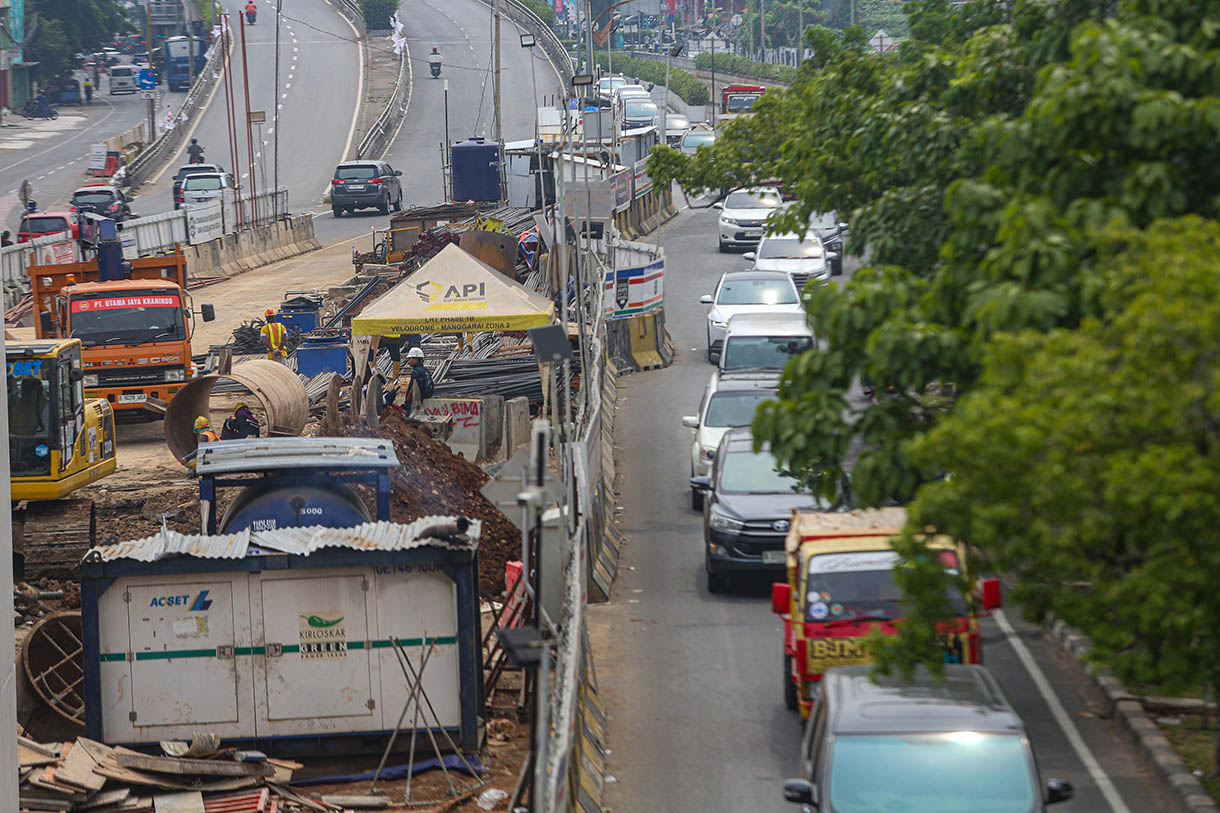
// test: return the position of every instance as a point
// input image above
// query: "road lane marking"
(1098, 774)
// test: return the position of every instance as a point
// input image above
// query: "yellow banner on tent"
(455, 293)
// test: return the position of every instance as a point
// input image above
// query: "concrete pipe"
(277, 389)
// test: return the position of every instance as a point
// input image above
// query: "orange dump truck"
(841, 584)
(134, 320)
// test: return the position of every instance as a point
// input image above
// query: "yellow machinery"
(58, 442)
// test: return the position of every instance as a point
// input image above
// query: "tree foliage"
(58, 29)
(1085, 461)
(986, 166)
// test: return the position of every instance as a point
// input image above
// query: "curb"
(1180, 783)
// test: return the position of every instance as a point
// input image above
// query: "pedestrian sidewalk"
(19, 133)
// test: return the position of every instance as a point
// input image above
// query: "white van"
(123, 79)
(764, 341)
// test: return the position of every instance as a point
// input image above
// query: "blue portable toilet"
(475, 166)
(326, 353)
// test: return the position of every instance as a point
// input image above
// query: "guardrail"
(351, 10)
(547, 38)
(377, 139)
(150, 157)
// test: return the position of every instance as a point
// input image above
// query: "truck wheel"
(790, 699)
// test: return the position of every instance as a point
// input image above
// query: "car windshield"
(957, 772)
(93, 197)
(611, 82)
(676, 122)
(823, 220)
(363, 172)
(29, 390)
(119, 70)
(861, 585)
(639, 109)
(757, 292)
(697, 139)
(753, 473)
(197, 182)
(198, 169)
(741, 104)
(753, 200)
(789, 248)
(763, 352)
(138, 316)
(733, 408)
(43, 225)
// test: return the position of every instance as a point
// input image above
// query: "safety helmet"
(202, 423)
(240, 405)
(415, 353)
(270, 312)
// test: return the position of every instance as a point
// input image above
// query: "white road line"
(1117, 805)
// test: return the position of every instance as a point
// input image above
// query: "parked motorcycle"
(30, 111)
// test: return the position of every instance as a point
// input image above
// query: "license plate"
(133, 398)
(773, 557)
(355, 187)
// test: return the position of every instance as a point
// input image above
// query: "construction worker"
(393, 343)
(242, 424)
(273, 334)
(420, 385)
(88, 90)
(203, 434)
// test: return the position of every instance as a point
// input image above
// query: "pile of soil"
(128, 513)
(433, 481)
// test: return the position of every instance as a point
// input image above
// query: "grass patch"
(1196, 747)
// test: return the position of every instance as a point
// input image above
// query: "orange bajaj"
(841, 585)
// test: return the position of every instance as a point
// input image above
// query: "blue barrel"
(322, 354)
(475, 167)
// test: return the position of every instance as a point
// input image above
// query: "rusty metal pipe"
(277, 389)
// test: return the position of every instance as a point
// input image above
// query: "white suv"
(747, 292)
(743, 215)
(729, 400)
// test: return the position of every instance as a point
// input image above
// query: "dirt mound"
(432, 480)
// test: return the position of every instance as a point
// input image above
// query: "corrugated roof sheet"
(380, 536)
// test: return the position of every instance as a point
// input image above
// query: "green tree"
(58, 29)
(1085, 464)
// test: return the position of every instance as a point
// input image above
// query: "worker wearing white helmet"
(420, 385)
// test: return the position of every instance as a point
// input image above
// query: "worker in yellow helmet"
(203, 434)
(273, 334)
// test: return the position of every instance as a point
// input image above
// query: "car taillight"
(374, 180)
(336, 182)
(71, 208)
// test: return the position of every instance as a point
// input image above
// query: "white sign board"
(57, 253)
(205, 221)
(97, 157)
(633, 290)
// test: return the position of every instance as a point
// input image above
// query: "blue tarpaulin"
(389, 773)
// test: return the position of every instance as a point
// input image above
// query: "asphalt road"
(692, 680)
(319, 90)
(462, 31)
(55, 160)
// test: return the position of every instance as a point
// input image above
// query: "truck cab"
(59, 440)
(841, 586)
(134, 331)
(736, 100)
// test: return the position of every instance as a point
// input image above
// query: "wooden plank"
(97, 750)
(190, 801)
(29, 758)
(190, 767)
(106, 798)
(77, 769)
(111, 770)
(50, 749)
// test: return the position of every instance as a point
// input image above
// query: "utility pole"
(800, 33)
(712, 39)
(762, 27)
(588, 43)
(275, 111)
(495, 4)
(245, 76)
(853, 12)
(152, 99)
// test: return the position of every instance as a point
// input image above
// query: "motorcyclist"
(251, 11)
(434, 61)
(195, 152)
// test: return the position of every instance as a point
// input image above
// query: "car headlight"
(89, 379)
(722, 523)
(707, 453)
(175, 375)
(728, 221)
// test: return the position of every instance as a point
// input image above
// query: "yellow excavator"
(59, 441)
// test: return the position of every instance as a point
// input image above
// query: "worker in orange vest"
(273, 334)
(203, 434)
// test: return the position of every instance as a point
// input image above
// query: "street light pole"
(275, 111)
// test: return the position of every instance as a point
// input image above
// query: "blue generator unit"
(475, 165)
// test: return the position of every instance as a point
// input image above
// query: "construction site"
(298, 575)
